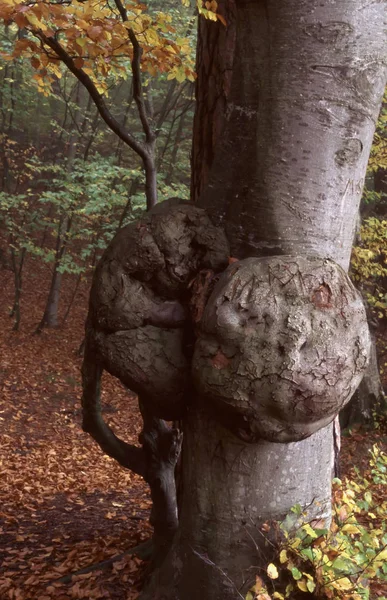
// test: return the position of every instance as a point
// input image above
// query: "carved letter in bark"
(283, 345)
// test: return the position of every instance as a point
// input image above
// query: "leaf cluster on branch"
(95, 39)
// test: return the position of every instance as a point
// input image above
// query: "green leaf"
(296, 573)
(308, 553)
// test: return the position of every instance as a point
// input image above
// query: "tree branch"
(129, 456)
(138, 95)
(98, 99)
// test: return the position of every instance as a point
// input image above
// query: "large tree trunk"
(299, 86)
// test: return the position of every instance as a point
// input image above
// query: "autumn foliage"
(97, 38)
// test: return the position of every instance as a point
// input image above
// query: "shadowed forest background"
(67, 185)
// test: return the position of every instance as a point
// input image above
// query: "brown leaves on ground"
(64, 505)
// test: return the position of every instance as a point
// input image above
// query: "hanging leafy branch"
(95, 41)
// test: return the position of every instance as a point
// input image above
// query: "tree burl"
(282, 346)
(138, 323)
(273, 347)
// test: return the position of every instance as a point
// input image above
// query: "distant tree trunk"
(178, 137)
(368, 400)
(17, 267)
(50, 317)
(287, 104)
(70, 305)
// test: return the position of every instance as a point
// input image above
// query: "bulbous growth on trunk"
(138, 314)
(282, 346)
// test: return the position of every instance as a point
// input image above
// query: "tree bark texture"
(138, 329)
(230, 489)
(288, 96)
(288, 159)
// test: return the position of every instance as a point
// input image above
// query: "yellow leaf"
(295, 543)
(349, 528)
(342, 584)
(81, 42)
(283, 557)
(152, 37)
(272, 571)
(382, 555)
(302, 585)
(33, 19)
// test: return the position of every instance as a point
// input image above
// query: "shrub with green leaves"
(369, 264)
(343, 562)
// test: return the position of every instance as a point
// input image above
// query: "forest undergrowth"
(64, 505)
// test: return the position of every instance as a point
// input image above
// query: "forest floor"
(64, 505)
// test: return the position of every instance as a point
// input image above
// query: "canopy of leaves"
(97, 37)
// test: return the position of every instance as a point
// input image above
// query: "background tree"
(94, 41)
(67, 109)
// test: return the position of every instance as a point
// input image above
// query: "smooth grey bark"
(229, 489)
(286, 175)
(306, 89)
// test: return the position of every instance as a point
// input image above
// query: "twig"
(80, 74)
